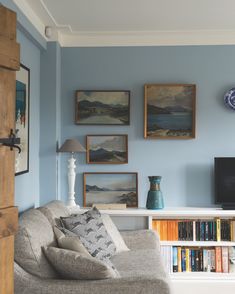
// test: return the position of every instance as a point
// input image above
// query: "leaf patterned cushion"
(92, 233)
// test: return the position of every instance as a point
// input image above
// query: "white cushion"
(114, 234)
(69, 242)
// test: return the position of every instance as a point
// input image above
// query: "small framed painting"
(169, 111)
(22, 119)
(102, 107)
(110, 188)
(107, 149)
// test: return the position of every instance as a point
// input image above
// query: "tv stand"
(228, 206)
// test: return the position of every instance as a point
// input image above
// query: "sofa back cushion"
(34, 232)
(54, 210)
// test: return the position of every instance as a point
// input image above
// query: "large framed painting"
(22, 119)
(102, 107)
(110, 188)
(107, 149)
(169, 111)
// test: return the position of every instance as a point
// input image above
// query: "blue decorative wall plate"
(229, 98)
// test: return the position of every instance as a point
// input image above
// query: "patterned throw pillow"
(92, 233)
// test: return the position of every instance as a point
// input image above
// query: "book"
(183, 260)
(205, 260)
(232, 259)
(175, 259)
(179, 259)
(225, 268)
(163, 230)
(187, 256)
(212, 260)
(232, 224)
(193, 261)
(218, 259)
(218, 232)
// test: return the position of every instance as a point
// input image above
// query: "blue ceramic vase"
(155, 198)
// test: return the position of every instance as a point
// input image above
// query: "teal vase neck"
(155, 183)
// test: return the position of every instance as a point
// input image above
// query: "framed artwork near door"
(22, 119)
(107, 149)
(169, 111)
(110, 188)
(102, 107)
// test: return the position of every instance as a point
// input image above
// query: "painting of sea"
(102, 107)
(170, 111)
(106, 188)
(107, 149)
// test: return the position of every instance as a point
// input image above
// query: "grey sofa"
(140, 268)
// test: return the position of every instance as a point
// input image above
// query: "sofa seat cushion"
(140, 263)
(34, 232)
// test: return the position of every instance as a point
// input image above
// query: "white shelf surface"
(179, 212)
(202, 276)
(197, 243)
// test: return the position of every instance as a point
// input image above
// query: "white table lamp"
(71, 146)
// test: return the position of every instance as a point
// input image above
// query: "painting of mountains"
(107, 149)
(170, 111)
(107, 188)
(102, 107)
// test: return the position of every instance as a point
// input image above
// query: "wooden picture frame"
(102, 107)
(110, 188)
(107, 149)
(22, 119)
(169, 111)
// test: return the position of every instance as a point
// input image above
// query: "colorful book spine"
(232, 259)
(179, 259)
(225, 268)
(188, 261)
(218, 230)
(218, 259)
(175, 259)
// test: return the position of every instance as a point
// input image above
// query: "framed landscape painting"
(110, 188)
(169, 111)
(22, 119)
(107, 149)
(102, 107)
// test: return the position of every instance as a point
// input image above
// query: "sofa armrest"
(26, 283)
(141, 239)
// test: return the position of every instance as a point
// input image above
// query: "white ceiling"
(133, 22)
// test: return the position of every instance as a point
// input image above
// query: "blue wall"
(185, 165)
(50, 121)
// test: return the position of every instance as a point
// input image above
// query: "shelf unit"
(198, 281)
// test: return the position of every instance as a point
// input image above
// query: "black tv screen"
(224, 171)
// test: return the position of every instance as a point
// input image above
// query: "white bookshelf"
(189, 282)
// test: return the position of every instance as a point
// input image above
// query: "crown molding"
(66, 37)
(147, 38)
(32, 16)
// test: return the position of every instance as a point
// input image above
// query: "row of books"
(195, 230)
(199, 259)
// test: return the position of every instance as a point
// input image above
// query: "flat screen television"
(224, 175)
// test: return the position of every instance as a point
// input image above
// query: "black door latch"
(11, 141)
